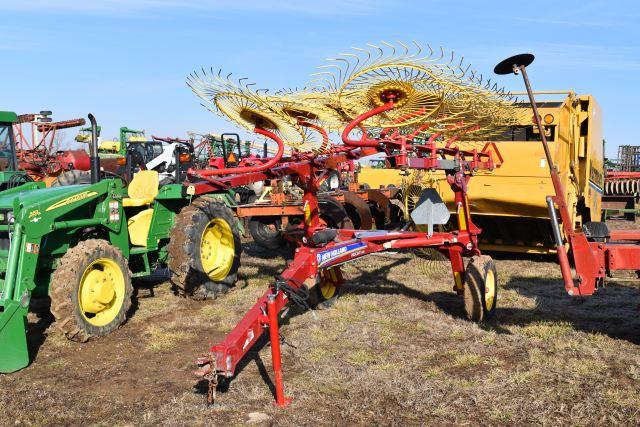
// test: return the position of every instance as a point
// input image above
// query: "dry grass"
(394, 349)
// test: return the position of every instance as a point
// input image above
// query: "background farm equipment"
(622, 184)
(10, 176)
(595, 251)
(134, 151)
(38, 147)
(396, 95)
(225, 150)
(508, 204)
(280, 207)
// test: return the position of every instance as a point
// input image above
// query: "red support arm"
(364, 141)
(248, 169)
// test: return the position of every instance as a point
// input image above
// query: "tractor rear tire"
(72, 177)
(195, 239)
(480, 288)
(72, 279)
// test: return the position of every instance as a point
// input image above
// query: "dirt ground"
(394, 349)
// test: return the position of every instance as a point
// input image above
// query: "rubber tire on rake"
(185, 265)
(65, 283)
(479, 269)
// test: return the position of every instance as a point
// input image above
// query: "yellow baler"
(509, 203)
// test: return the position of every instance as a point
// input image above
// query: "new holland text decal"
(71, 199)
(329, 255)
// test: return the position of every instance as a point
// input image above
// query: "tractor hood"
(43, 198)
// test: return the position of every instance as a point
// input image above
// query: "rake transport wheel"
(480, 288)
(90, 290)
(204, 250)
(325, 293)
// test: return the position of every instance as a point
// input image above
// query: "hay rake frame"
(321, 251)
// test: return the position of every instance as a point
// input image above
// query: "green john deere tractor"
(83, 244)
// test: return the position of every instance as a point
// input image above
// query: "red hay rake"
(322, 251)
(393, 102)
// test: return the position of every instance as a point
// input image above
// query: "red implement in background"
(37, 147)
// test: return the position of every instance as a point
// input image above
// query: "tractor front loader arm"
(14, 354)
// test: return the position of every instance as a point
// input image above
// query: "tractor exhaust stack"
(95, 160)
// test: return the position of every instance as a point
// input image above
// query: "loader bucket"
(14, 353)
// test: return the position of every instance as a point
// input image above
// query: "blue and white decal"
(325, 257)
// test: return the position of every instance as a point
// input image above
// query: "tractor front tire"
(204, 249)
(90, 290)
(480, 288)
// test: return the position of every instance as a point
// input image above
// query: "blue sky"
(126, 60)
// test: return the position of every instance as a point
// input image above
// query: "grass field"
(394, 349)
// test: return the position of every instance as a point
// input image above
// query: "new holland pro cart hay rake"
(392, 100)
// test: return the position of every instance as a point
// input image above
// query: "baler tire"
(596, 231)
(72, 177)
(185, 262)
(65, 284)
(480, 288)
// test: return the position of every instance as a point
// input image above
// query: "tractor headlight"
(10, 218)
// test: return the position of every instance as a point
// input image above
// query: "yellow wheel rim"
(101, 292)
(217, 249)
(327, 289)
(490, 290)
